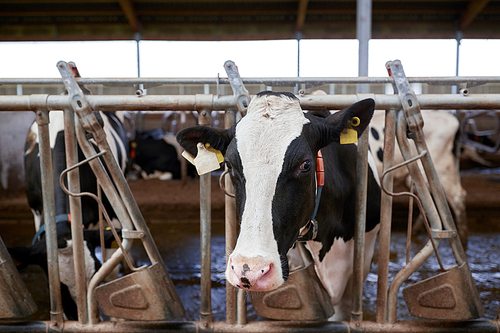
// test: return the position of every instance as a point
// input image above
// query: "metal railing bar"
(278, 81)
(213, 103)
(420, 326)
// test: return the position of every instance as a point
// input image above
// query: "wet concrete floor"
(179, 246)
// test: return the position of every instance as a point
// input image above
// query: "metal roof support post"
(458, 36)
(363, 34)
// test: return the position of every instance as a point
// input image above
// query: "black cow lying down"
(153, 156)
(271, 156)
(37, 253)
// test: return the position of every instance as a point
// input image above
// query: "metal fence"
(41, 104)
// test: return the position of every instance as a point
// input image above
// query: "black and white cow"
(36, 253)
(155, 155)
(440, 130)
(271, 154)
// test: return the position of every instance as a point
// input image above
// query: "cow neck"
(59, 218)
(310, 230)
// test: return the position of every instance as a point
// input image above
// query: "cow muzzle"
(256, 274)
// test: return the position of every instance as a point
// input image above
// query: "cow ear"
(346, 119)
(218, 138)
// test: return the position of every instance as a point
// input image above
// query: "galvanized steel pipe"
(194, 102)
(76, 215)
(205, 237)
(360, 229)
(39, 105)
(230, 230)
(278, 81)
(384, 243)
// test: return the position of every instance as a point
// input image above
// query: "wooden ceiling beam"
(474, 7)
(301, 14)
(129, 11)
(52, 13)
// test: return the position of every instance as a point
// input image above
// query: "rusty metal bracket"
(440, 234)
(241, 94)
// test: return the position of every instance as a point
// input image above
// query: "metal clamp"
(441, 234)
(132, 234)
(241, 94)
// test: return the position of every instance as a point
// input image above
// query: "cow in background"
(271, 157)
(441, 131)
(155, 155)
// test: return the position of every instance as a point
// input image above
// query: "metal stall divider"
(452, 294)
(188, 103)
(39, 105)
(147, 293)
(16, 300)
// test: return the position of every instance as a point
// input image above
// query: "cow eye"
(305, 166)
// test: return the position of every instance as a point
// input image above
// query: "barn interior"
(171, 208)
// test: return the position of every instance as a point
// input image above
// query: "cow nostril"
(232, 267)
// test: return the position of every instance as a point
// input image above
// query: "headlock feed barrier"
(450, 299)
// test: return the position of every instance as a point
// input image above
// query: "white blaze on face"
(263, 137)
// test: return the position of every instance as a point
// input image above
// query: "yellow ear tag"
(350, 135)
(220, 157)
(208, 159)
(205, 161)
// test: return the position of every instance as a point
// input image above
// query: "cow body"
(440, 130)
(271, 157)
(154, 155)
(37, 253)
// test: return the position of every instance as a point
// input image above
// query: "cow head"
(271, 158)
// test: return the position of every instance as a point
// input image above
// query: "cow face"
(271, 157)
